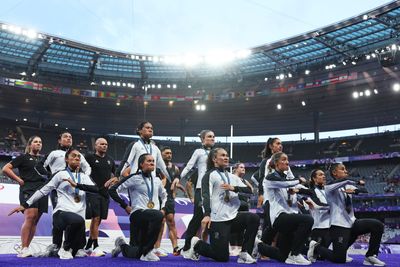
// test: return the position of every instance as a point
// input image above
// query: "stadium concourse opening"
(248, 147)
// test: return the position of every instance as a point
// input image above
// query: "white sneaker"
(119, 241)
(374, 261)
(149, 257)
(193, 255)
(190, 254)
(245, 258)
(97, 252)
(81, 253)
(348, 258)
(65, 254)
(160, 252)
(297, 260)
(310, 252)
(50, 251)
(18, 248)
(25, 252)
(186, 253)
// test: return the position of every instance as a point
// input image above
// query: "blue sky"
(168, 27)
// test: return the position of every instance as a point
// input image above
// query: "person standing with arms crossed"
(103, 170)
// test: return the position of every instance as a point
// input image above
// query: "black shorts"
(97, 206)
(170, 206)
(42, 204)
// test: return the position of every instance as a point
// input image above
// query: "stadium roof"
(345, 41)
(43, 60)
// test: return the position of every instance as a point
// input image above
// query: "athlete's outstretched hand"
(16, 210)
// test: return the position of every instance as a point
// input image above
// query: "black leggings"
(343, 238)
(293, 231)
(268, 232)
(146, 225)
(74, 227)
(323, 236)
(195, 222)
(220, 232)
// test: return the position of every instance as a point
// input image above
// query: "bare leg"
(173, 236)
(30, 219)
(158, 243)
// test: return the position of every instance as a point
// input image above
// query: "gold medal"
(77, 198)
(150, 204)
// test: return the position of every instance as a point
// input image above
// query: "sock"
(89, 243)
(95, 243)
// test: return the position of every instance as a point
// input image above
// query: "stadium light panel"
(396, 87)
(113, 83)
(355, 95)
(243, 53)
(307, 72)
(159, 86)
(83, 129)
(281, 76)
(56, 124)
(394, 47)
(279, 106)
(376, 91)
(174, 86)
(303, 103)
(365, 17)
(367, 92)
(31, 34)
(118, 84)
(85, 102)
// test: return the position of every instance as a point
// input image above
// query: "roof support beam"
(36, 57)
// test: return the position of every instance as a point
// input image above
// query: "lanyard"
(78, 177)
(150, 190)
(206, 152)
(145, 147)
(223, 179)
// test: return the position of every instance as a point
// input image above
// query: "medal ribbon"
(145, 147)
(150, 190)
(78, 179)
(228, 181)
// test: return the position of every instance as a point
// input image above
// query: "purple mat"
(107, 261)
